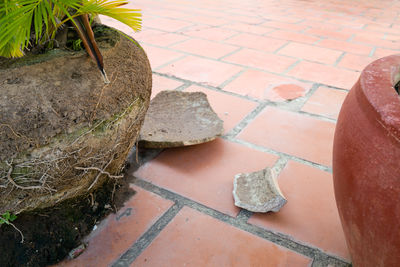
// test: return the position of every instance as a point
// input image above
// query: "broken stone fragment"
(258, 191)
(177, 118)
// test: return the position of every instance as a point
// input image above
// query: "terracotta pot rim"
(377, 85)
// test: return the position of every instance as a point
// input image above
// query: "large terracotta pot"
(366, 166)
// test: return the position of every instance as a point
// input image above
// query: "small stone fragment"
(177, 118)
(258, 191)
(77, 251)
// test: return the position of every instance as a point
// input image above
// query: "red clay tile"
(196, 239)
(168, 25)
(230, 109)
(261, 85)
(394, 38)
(328, 75)
(201, 70)
(310, 215)
(160, 56)
(247, 28)
(161, 83)
(378, 42)
(117, 232)
(346, 46)
(339, 35)
(325, 102)
(284, 18)
(292, 133)
(205, 48)
(205, 172)
(320, 23)
(207, 20)
(167, 13)
(255, 20)
(382, 52)
(354, 62)
(310, 52)
(383, 29)
(261, 60)
(159, 38)
(284, 26)
(211, 33)
(368, 37)
(252, 41)
(293, 36)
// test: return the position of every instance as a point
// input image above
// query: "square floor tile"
(159, 38)
(205, 48)
(325, 102)
(160, 56)
(261, 60)
(205, 173)
(311, 52)
(119, 231)
(261, 85)
(161, 83)
(210, 33)
(262, 43)
(292, 133)
(201, 70)
(167, 24)
(328, 75)
(310, 215)
(195, 239)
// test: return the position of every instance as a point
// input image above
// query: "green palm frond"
(22, 19)
(113, 9)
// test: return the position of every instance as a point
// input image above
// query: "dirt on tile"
(51, 233)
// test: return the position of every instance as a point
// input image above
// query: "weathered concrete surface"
(177, 118)
(258, 191)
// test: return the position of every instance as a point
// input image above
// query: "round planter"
(366, 166)
(63, 130)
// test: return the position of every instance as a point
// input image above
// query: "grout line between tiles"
(286, 71)
(291, 106)
(339, 59)
(280, 154)
(280, 164)
(145, 240)
(225, 83)
(170, 62)
(239, 222)
(248, 119)
(221, 60)
(372, 52)
(244, 215)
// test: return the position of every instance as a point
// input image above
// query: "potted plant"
(366, 165)
(65, 127)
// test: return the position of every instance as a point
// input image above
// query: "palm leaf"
(17, 16)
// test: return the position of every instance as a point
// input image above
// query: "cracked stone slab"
(258, 191)
(177, 118)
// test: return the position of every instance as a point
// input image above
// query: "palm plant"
(26, 24)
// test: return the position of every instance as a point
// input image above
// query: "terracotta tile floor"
(249, 57)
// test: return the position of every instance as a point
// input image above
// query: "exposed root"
(9, 178)
(101, 95)
(71, 165)
(101, 171)
(16, 228)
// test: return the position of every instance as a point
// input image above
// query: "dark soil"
(50, 234)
